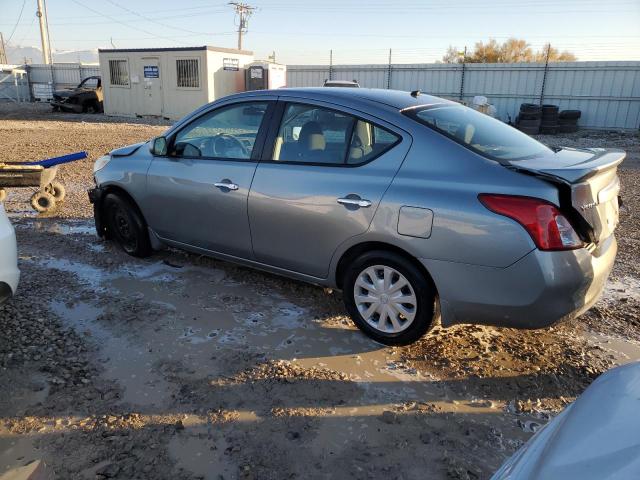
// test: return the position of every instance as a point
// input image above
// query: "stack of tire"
(549, 124)
(529, 119)
(568, 121)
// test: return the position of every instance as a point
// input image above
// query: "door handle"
(356, 202)
(226, 184)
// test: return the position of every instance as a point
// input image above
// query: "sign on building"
(151, 71)
(232, 64)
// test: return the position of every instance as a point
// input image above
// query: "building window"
(119, 73)
(188, 73)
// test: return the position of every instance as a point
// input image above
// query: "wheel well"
(357, 250)
(123, 193)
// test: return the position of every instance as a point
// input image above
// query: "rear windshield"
(478, 132)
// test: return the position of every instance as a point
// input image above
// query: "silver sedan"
(412, 205)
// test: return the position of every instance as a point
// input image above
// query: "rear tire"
(412, 306)
(126, 226)
(89, 107)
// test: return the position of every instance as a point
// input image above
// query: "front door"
(322, 185)
(197, 194)
(152, 87)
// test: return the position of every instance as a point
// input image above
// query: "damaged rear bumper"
(537, 291)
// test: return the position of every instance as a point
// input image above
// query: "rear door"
(321, 179)
(197, 194)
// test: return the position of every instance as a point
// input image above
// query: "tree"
(490, 52)
(513, 50)
(554, 55)
(453, 55)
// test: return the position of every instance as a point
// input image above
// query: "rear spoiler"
(602, 160)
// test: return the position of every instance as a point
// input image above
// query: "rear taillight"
(549, 229)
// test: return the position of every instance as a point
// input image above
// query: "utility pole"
(243, 12)
(3, 52)
(44, 32)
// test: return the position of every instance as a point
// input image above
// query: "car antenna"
(415, 93)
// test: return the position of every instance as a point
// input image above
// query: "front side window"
(225, 133)
(317, 135)
(119, 73)
(188, 73)
(91, 82)
(478, 132)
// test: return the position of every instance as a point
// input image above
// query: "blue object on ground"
(51, 162)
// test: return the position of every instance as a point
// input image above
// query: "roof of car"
(393, 98)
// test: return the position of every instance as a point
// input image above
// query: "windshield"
(479, 132)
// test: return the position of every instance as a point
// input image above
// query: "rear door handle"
(355, 201)
(226, 184)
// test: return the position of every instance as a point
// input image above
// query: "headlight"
(101, 162)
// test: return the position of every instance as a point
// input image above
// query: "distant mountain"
(17, 55)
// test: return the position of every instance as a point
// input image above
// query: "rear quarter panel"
(446, 178)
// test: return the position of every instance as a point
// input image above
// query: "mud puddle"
(623, 350)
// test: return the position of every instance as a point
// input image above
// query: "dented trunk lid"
(588, 183)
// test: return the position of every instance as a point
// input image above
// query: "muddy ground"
(183, 367)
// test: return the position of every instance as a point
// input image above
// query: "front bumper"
(96, 195)
(537, 291)
(62, 105)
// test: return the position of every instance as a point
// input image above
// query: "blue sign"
(151, 71)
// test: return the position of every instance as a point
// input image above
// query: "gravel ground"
(183, 367)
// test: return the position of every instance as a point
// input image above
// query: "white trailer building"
(169, 82)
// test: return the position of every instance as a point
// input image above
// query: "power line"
(162, 24)
(243, 12)
(113, 19)
(17, 22)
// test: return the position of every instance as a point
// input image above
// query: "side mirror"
(158, 146)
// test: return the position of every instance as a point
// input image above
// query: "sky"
(303, 32)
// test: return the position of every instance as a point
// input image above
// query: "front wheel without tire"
(126, 225)
(389, 298)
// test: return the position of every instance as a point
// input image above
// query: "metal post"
(3, 51)
(330, 64)
(544, 76)
(44, 32)
(464, 63)
(389, 72)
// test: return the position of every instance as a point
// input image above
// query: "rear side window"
(478, 132)
(316, 135)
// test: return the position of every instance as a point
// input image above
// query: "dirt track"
(182, 367)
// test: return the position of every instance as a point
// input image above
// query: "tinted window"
(317, 135)
(479, 132)
(228, 132)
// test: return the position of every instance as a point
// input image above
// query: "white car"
(9, 273)
(596, 437)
